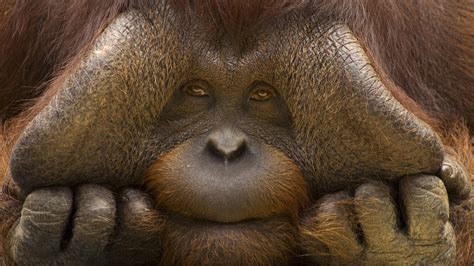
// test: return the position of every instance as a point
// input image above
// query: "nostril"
(227, 152)
(226, 145)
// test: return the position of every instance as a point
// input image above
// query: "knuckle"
(370, 189)
(371, 194)
(424, 183)
(55, 199)
(335, 197)
(136, 202)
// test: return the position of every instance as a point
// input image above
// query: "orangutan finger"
(425, 205)
(378, 216)
(329, 229)
(40, 229)
(455, 178)
(93, 222)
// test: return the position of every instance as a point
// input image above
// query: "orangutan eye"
(262, 94)
(196, 90)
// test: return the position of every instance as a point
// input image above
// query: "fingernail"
(447, 171)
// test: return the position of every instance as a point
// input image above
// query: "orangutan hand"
(380, 226)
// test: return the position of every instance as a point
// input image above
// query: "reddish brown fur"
(267, 242)
(323, 235)
(425, 49)
(428, 50)
(264, 243)
(286, 193)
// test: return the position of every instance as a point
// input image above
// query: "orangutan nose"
(227, 144)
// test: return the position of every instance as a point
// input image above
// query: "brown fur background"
(424, 48)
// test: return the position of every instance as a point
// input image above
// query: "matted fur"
(425, 48)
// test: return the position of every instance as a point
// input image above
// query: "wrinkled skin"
(84, 207)
(95, 219)
(421, 233)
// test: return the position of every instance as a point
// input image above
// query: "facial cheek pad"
(347, 123)
(101, 126)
